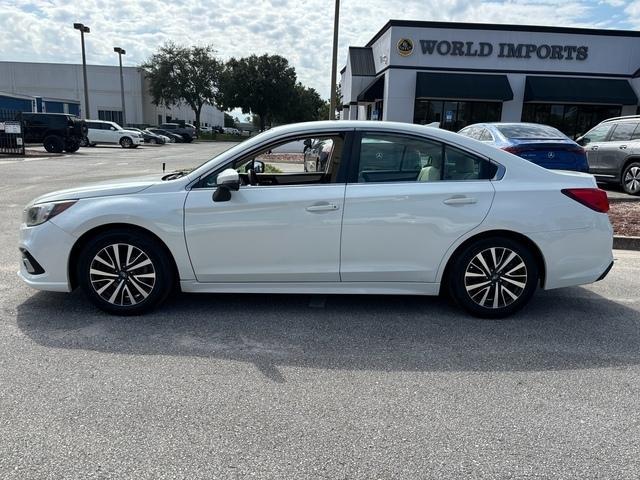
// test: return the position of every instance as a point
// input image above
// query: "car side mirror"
(256, 165)
(582, 141)
(228, 180)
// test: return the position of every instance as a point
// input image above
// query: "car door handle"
(459, 200)
(323, 207)
(622, 147)
(594, 147)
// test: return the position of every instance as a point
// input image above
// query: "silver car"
(613, 151)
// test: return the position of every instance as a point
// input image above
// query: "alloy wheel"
(632, 180)
(495, 277)
(126, 142)
(122, 274)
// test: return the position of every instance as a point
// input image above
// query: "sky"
(301, 31)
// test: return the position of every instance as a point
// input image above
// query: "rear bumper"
(606, 272)
(576, 257)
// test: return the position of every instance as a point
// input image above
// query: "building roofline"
(501, 27)
(67, 64)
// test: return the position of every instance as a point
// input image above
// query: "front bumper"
(50, 247)
(138, 140)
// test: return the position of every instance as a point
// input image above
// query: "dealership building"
(462, 73)
(59, 88)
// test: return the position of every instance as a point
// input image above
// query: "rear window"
(529, 131)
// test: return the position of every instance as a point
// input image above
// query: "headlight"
(37, 214)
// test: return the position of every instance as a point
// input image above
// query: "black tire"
(53, 144)
(467, 277)
(127, 291)
(72, 146)
(187, 138)
(84, 142)
(630, 180)
(126, 142)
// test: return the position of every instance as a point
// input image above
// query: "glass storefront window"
(572, 120)
(453, 115)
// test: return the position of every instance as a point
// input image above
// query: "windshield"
(528, 131)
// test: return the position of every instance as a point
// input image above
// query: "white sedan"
(398, 209)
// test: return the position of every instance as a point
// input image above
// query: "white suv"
(100, 131)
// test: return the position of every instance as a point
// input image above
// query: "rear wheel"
(631, 178)
(125, 273)
(53, 144)
(72, 146)
(493, 277)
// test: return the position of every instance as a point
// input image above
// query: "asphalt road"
(293, 387)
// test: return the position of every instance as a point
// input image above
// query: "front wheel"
(493, 277)
(125, 273)
(126, 142)
(631, 178)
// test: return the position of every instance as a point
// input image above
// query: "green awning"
(455, 86)
(579, 90)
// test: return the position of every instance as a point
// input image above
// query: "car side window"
(636, 134)
(623, 131)
(597, 134)
(299, 161)
(399, 158)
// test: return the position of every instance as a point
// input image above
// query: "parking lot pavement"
(233, 386)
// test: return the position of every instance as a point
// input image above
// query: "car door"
(613, 153)
(284, 229)
(593, 141)
(407, 201)
(94, 132)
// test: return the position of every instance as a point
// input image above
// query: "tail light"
(514, 150)
(594, 198)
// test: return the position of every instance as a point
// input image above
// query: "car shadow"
(566, 329)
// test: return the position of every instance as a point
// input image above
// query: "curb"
(626, 243)
(623, 199)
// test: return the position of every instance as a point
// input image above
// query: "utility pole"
(120, 52)
(334, 63)
(84, 29)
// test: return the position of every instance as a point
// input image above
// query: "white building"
(61, 88)
(459, 73)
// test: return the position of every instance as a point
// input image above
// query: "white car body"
(111, 133)
(385, 238)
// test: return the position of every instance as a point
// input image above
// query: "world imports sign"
(503, 50)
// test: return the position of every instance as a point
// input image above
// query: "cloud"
(41, 30)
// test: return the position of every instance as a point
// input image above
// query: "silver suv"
(613, 151)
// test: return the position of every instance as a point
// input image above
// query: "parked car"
(149, 137)
(231, 130)
(540, 144)
(613, 149)
(101, 131)
(401, 209)
(56, 131)
(186, 130)
(173, 137)
(316, 154)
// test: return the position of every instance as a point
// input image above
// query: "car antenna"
(163, 166)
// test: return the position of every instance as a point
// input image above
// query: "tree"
(229, 121)
(261, 85)
(304, 106)
(183, 74)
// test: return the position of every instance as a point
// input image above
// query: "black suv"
(56, 131)
(185, 130)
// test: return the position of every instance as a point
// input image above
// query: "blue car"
(540, 144)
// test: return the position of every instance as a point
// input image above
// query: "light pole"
(334, 63)
(120, 52)
(84, 29)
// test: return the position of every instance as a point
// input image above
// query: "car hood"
(125, 186)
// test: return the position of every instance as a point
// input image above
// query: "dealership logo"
(405, 47)
(551, 155)
(503, 50)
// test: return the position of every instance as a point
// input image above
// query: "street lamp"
(120, 52)
(334, 63)
(84, 29)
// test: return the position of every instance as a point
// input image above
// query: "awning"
(579, 90)
(374, 91)
(456, 86)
